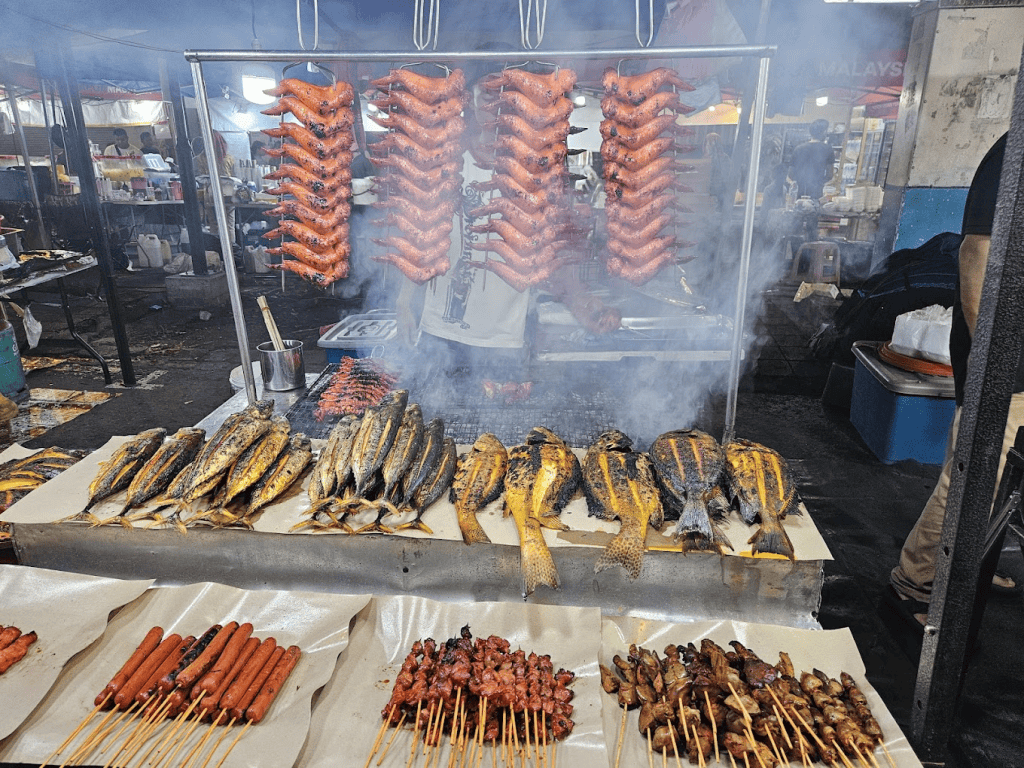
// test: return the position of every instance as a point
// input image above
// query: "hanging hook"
(312, 66)
(421, 33)
(316, 23)
(537, 11)
(650, 23)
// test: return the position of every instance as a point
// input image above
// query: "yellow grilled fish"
(438, 479)
(156, 475)
(288, 468)
(479, 480)
(760, 480)
(402, 455)
(542, 476)
(620, 484)
(238, 432)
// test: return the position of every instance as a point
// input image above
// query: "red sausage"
(177, 699)
(16, 651)
(148, 690)
(8, 636)
(155, 660)
(238, 712)
(258, 709)
(188, 676)
(211, 682)
(241, 684)
(146, 647)
(211, 702)
(168, 681)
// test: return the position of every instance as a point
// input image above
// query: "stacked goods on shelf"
(422, 158)
(529, 150)
(318, 180)
(640, 170)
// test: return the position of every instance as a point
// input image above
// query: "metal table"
(71, 265)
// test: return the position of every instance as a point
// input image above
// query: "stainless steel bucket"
(282, 370)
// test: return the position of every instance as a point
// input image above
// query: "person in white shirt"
(121, 146)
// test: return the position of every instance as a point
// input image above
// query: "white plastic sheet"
(924, 333)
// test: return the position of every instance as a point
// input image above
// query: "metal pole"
(735, 357)
(991, 371)
(81, 159)
(686, 52)
(222, 228)
(30, 179)
(49, 131)
(187, 176)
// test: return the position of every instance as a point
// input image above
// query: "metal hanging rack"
(197, 58)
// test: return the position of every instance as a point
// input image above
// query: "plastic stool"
(816, 262)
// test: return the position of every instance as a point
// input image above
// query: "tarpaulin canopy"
(96, 112)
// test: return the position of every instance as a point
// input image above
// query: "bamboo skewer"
(78, 730)
(675, 746)
(482, 720)
(161, 755)
(102, 736)
(194, 754)
(397, 729)
(268, 318)
(554, 753)
(778, 716)
(888, 756)
(714, 724)
(650, 750)
(544, 734)
(233, 743)
(216, 744)
(700, 749)
(124, 727)
(383, 725)
(88, 739)
(142, 734)
(775, 748)
(415, 734)
(732, 760)
(743, 710)
(753, 744)
(184, 739)
(622, 733)
(456, 738)
(746, 761)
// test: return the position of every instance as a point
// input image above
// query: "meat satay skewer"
(714, 724)
(78, 729)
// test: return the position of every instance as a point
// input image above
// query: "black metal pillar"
(81, 159)
(187, 174)
(995, 352)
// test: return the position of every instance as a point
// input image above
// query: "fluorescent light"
(253, 87)
(711, 108)
(821, 101)
(580, 101)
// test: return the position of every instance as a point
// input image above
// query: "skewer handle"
(268, 318)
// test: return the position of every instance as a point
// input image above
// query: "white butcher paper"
(832, 651)
(347, 716)
(316, 622)
(68, 612)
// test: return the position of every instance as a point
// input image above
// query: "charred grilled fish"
(286, 469)
(689, 464)
(437, 481)
(334, 456)
(479, 480)
(117, 472)
(375, 437)
(163, 466)
(542, 476)
(237, 433)
(423, 464)
(620, 483)
(256, 459)
(760, 480)
(402, 455)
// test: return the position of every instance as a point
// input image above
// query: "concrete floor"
(863, 508)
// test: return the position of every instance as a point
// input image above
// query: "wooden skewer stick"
(494, 747)
(194, 754)
(732, 760)
(162, 745)
(554, 753)
(463, 752)
(439, 726)
(686, 727)
(415, 734)
(872, 758)
(650, 750)
(842, 755)
(268, 318)
(456, 734)
(753, 744)
(88, 739)
(482, 731)
(622, 733)
(398, 728)
(544, 734)
(664, 758)
(743, 710)
(380, 732)
(102, 735)
(78, 730)
(536, 737)
(141, 736)
(775, 748)
(888, 756)
(184, 739)
(714, 724)
(476, 750)
(431, 721)
(504, 737)
(159, 758)
(782, 727)
(124, 727)
(700, 750)
(746, 761)
(515, 734)
(216, 744)
(233, 743)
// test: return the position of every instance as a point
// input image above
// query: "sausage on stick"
(257, 661)
(188, 676)
(16, 651)
(224, 662)
(238, 711)
(152, 663)
(168, 681)
(149, 690)
(146, 647)
(212, 702)
(258, 709)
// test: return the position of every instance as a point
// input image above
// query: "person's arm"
(973, 261)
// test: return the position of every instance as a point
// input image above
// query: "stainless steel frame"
(763, 52)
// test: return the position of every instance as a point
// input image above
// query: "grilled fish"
(324, 480)
(163, 466)
(429, 454)
(620, 483)
(256, 459)
(689, 464)
(402, 455)
(237, 433)
(542, 476)
(286, 470)
(760, 480)
(433, 486)
(375, 437)
(117, 472)
(479, 480)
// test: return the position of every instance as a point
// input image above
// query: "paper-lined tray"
(67, 612)
(317, 623)
(832, 651)
(347, 715)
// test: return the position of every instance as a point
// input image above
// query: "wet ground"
(863, 508)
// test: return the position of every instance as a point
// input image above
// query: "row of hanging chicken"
(528, 205)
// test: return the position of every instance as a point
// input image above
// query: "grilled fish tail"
(472, 532)
(771, 537)
(552, 522)
(536, 563)
(694, 517)
(626, 550)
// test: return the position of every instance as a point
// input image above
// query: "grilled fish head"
(261, 409)
(487, 442)
(612, 440)
(542, 435)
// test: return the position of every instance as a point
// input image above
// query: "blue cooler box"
(900, 414)
(364, 335)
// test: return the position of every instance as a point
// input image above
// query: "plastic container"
(149, 251)
(237, 380)
(363, 335)
(900, 414)
(12, 373)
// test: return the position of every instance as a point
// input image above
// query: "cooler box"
(900, 414)
(360, 335)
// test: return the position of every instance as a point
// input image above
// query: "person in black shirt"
(911, 581)
(813, 162)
